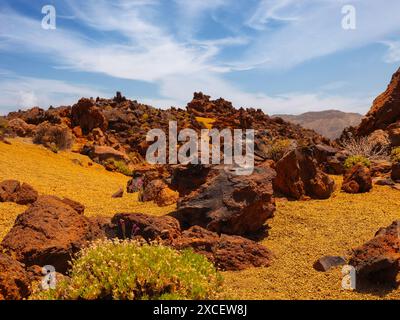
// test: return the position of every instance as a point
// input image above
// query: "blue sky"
(284, 56)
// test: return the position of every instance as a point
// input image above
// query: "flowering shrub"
(279, 148)
(353, 160)
(128, 270)
(395, 155)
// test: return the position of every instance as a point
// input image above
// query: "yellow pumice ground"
(299, 234)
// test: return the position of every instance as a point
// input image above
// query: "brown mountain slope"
(329, 123)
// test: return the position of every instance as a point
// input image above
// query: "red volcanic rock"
(395, 174)
(135, 184)
(26, 194)
(13, 191)
(20, 127)
(186, 178)
(130, 225)
(298, 175)
(159, 192)
(118, 194)
(357, 180)
(14, 280)
(385, 109)
(8, 190)
(34, 115)
(230, 204)
(49, 232)
(78, 207)
(86, 115)
(104, 153)
(225, 251)
(378, 260)
(394, 133)
(328, 262)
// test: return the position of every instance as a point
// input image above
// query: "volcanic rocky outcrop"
(384, 114)
(298, 176)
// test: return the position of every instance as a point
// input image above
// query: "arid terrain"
(75, 175)
(299, 234)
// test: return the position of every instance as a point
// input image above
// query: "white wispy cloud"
(393, 52)
(318, 31)
(139, 45)
(269, 10)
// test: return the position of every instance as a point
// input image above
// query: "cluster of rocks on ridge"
(121, 124)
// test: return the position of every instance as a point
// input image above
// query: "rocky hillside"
(329, 123)
(118, 127)
(384, 115)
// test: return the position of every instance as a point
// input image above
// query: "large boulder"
(151, 228)
(49, 232)
(225, 251)
(298, 176)
(357, 180)
(86, 115)
(231, 204)
(13, 191)
(378, 260)
(14, 280)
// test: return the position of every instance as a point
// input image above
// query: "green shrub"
(128, 270)
(119, 166)
(395, 155)
(279, 148)
(122, 168)
(353, 160)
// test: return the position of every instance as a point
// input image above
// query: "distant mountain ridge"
(329, 123)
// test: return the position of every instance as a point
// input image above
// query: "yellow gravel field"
(300, 232)
(66, 174)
